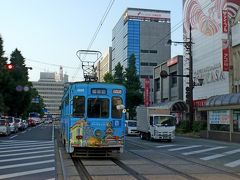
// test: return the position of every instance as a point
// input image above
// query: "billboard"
(146, 92)
(209, 24)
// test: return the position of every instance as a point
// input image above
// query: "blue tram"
(92, 119)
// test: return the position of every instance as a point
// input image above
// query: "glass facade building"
(144, 33)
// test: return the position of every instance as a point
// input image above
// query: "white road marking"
(26, 164)
(233, 164)
(203, 150)
(169, 145)
(26, 153)
(27, 149)
(13, 136)
(23, 132)
(26, 173)
(182, 148)
(220, 155)
(24, 158)
(52, 133)
(16, 146)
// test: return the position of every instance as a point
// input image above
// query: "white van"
(131, 127)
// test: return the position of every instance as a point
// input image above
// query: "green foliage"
(119, 74)
(132, 79)
(108, 78)
(133, 86)
(199, 125)
(13, 102)
(184, 126)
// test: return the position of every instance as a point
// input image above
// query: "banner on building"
(219, 117)
(225, 55)
(146, 92)
(224, 21)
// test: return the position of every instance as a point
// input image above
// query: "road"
(31, 154)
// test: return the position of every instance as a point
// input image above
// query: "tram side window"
(116, 113)
(78, 106)
(98, 108)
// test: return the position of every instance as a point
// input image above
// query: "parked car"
(25, 124)
(12, 123)
(4, 127)
(19, 124)
(131, 127)
(31, 122)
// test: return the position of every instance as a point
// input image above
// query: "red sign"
(146, 92)
(224, 21)
(172, 61)
(199, 102)
(225, 55)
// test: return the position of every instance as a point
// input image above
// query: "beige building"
(104, 65)
(50, 87)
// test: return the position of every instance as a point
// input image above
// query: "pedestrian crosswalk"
(27, 159)
(199, 149)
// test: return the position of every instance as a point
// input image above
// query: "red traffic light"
(9, 66)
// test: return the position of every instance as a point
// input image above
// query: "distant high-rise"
(144, 33)
(50, 87)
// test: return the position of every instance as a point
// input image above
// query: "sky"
(50, 32)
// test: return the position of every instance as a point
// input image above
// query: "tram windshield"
(98, 108)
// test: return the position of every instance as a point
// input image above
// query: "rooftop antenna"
(88, 65)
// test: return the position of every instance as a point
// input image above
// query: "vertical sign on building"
(224, 21)
(146, 91)
(225, 55)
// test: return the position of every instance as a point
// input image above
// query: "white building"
(50, 87)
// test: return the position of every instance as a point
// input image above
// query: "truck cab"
(162, 127)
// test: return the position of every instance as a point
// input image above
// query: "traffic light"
(9, 66)
(188, 95)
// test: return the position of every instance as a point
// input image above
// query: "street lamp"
(189, 89)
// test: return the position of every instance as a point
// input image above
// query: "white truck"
(155, 123)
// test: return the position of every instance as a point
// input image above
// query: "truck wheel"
(142, 136)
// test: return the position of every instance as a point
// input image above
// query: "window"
(98, 108)
(152, 64)
(236, 120)
(116, 113)
(144, 64)
(173, 79)
(157, 84)
(78, 106)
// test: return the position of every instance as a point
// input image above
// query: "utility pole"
(190, 103)
(191, 83)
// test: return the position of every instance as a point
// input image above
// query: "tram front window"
(98, 108)
(78, 106)
(116, 113)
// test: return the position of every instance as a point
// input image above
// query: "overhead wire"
(179, 24)
(96, 32)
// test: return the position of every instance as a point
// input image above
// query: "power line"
(97, 31)
(40, 62)
(178, 25)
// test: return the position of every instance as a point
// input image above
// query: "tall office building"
(144, 33)
(50, 87)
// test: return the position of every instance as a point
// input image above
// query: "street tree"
(118, 76)
(108, 77)
(4, 79)
(133, 85)
(19, 94)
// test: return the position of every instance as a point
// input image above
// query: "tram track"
(230, 173)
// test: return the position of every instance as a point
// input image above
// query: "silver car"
(13, 124)
(4, 127)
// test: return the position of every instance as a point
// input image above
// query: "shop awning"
(222, 102)
(174, 106)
